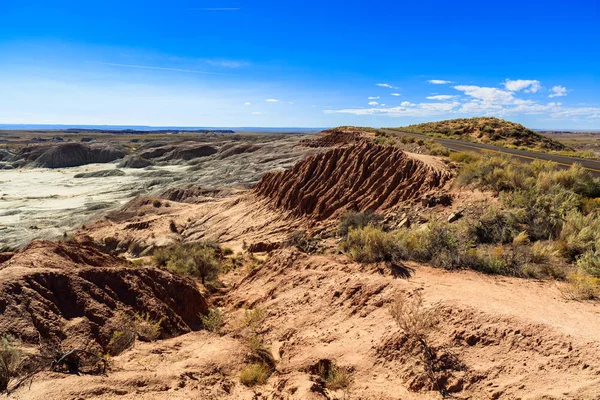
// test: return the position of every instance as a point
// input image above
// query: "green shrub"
(464, 157)
(370, 245)
(354, 219)
(589, 262)
(213, 321)
(581, 286)
(580, 233)
(197, 259)
(160, 256)
(497, 226)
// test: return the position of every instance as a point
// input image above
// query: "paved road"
(593, 166)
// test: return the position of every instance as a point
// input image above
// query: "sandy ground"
(43, 203)
(514, 339)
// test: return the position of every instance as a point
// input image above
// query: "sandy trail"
(540, 302)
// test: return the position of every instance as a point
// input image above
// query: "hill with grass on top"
(487, 130)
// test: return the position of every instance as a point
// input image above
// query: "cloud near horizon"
(439, 82)
(482, 101)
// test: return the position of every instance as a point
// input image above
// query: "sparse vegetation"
(11, 362)
(487, 130)
(355, 219)
(254, 318)
(370, 245)
(128, 329)
(255, 373)
(214, 320)
(419, 323)
(303, 242)
(199, 260)
(173, 226)
(337, 378)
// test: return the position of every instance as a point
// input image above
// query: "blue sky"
(303, 64)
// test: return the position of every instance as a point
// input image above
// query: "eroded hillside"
(347, 275)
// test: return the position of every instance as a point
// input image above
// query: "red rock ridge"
(362, 177)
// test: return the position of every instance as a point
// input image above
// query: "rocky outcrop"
(63, 155)
(361, 177)
(63, 291)
(6, 155)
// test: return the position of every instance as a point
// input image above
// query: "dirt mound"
(229, 151)
(194, 194)
(100, 174)
(65, 155)
(190, 151)
(135, 162)
(178, 151)
(66, 292)
(361, 177)
(337, 137)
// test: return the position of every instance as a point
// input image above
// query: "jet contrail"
(159, 68)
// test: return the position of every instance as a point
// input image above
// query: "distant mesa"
(63, 155)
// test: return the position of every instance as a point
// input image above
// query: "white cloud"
(481, 100)
(387, 85)
(395, 94)
(405, 109)
(373, 97)
(530, 86)
(487, 94)
(227, 63)
(272, 100)
(247, 103)
(441, 97)
(438, 82)
(558, 91)
(256, 113)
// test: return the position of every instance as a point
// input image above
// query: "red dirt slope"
(362, 177)
(68, 292)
